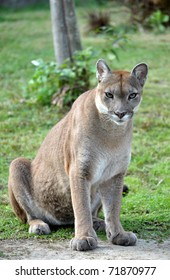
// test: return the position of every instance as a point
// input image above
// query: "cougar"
(82, 162)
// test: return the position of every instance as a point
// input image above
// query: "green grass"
(26, 35)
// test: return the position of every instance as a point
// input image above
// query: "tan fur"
(81, 163)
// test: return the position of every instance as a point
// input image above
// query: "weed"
(157, 21)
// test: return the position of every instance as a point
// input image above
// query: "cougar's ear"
(102, 69)
(140, 71)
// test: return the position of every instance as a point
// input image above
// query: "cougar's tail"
(15, 206)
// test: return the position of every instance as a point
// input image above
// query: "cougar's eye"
(109, 95)
(132, 95)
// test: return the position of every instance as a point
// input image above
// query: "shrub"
(157, 20)
(60, 85)
(150, 13)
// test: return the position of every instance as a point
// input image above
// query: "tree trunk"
(64, 28)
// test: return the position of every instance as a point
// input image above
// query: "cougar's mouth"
(121, 121)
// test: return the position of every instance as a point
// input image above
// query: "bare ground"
(48, 250)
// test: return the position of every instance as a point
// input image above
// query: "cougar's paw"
(125, 239)
(84, 243)
(99, 224)
(39, 228)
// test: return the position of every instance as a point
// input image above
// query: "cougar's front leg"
(111, 195)
(85, 236)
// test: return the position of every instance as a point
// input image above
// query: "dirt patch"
(47, 250)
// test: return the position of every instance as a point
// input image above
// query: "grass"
(26, 35)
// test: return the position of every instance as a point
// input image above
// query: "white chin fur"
(119, 121)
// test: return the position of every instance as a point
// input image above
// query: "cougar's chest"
(110, 163)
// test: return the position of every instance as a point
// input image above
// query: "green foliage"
(116, 39)
(67, 81)
(43, 83)
(157, 20)
(62, 85)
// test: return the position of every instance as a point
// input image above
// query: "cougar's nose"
(120, 114)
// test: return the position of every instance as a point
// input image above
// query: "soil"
(50, 250)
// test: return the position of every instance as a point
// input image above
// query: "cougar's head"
(119, 92)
